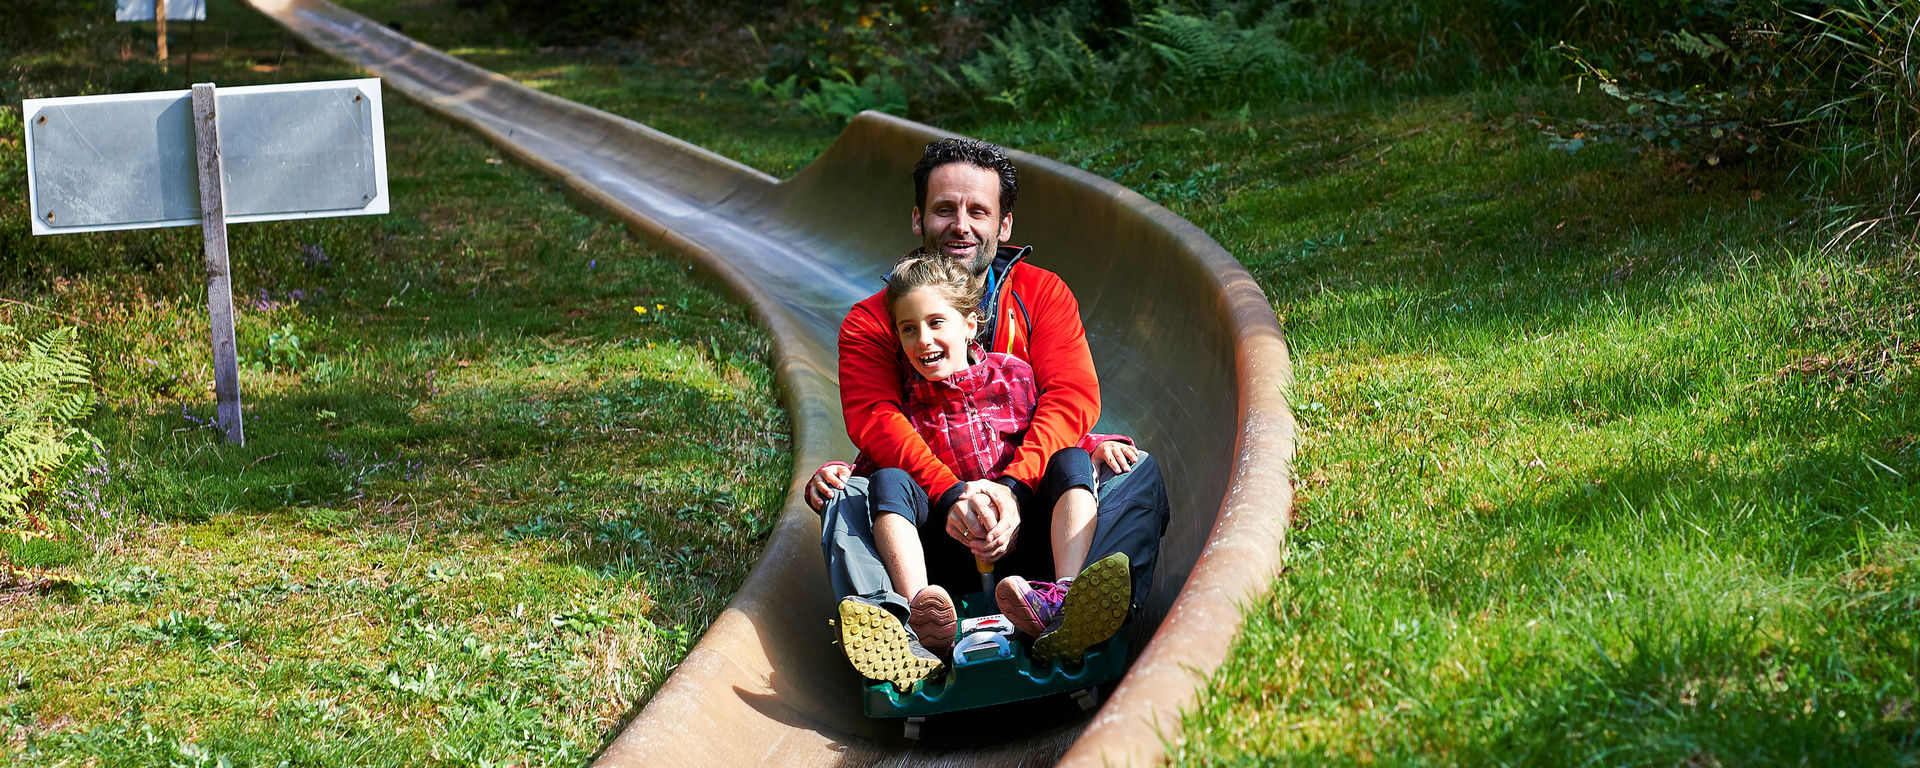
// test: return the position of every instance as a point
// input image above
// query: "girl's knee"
(1070, 468)
(893, 491)
(1070, 458)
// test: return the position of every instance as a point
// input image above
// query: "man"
(963, 209)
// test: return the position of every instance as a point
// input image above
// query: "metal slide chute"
(1191, 361)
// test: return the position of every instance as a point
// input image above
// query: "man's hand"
(1117, 455)
(826, 480)
(972, 515)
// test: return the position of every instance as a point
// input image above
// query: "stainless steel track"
(1191, 362)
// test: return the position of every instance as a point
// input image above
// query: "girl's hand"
(1116, 454)
(826, 480)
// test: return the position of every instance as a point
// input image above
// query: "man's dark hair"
(973, 152)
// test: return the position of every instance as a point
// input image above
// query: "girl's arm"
(830, 477)
(1115, 451)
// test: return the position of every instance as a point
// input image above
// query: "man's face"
(962, 219)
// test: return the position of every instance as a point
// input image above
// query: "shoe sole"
(879, 648)
(1095, 608)
(936, 629)
(1014, 607)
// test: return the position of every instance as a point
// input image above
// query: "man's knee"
(1133, 516)
(1137, 499)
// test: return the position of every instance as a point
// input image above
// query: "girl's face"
(933, 333)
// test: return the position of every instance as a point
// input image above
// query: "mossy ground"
(485, 503)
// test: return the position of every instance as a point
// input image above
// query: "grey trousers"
(1132, 517)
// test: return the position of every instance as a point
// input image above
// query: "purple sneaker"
(1032, 606)
(1092, 612)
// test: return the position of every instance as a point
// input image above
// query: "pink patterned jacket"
(976, 418)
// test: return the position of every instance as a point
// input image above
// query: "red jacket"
(976, 419)
(1038, 321)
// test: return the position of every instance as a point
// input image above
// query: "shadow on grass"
(356, 442)
(1709, 694)
(1467, 226)
(1802, 509)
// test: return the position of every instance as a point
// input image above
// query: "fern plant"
(44, 389)
(1215, 58)
(1036, 64)
(840, 99)
(1167, 58)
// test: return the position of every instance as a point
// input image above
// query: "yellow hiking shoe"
(1094, 608)
(880, 646)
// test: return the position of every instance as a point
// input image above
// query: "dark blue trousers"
(1132, 516)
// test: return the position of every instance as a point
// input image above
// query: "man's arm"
(870, 391)
(1069, 401)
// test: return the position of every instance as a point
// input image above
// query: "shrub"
(43, 389)
(1830, 89)
(1213, 60)
(823, 42)
(1168, 59)
(1735, 115)
(1857, 69)
(839, 100)
(567, 22)
(1037, 64)
(833, 60)
(37, 24)
(1439, 43)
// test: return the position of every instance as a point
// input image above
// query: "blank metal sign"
(126, 161)
(177, 10)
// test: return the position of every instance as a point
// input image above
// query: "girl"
(972, 408)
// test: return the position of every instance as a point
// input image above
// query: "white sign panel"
(177, 10)
(126, 161)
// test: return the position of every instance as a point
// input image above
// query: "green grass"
(1603, 461)
(1596, 467)
(1600, 463)
(484, 508)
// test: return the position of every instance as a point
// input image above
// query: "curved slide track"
(1191, 363)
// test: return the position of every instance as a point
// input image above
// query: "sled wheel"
(912, 728)
(1087, 698)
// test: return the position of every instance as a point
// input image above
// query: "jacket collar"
(1003, 260)
(1006, 257)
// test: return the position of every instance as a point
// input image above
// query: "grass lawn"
(1603, 460)
(485, 504)
(1601, 463)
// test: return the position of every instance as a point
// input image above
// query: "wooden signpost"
(207, 156)
(213, 231)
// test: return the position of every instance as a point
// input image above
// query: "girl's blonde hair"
(949, 281)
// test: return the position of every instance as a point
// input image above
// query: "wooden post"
(160, 43)
(213, 230)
